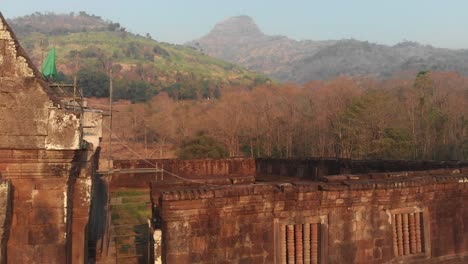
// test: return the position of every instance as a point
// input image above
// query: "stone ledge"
(38, 155)
(194, 193)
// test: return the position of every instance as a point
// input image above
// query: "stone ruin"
(56, 208)
(47, 160)
(376, 216)
(304, 210)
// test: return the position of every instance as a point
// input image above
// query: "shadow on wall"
(98, 212)
(97, 219)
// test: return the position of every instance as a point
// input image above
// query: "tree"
(113, 26)
(201, 147)
(364, 122)
(406, 117)
(93, 83)
(161, 121)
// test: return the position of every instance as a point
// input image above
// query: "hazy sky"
(441, 23)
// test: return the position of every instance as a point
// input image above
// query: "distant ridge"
(51, 23)
(239, 40)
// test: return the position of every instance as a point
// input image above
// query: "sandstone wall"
(239, 224)
(39, 178)
(44, 156)
(51, 193)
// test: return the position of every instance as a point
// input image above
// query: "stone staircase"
(129, 233)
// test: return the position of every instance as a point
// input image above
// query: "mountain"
(239, 40)
(142, 67)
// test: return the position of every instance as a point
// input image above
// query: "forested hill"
(87, 44)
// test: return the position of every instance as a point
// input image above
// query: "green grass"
(129, 220)
(128, 192)
(134, 208)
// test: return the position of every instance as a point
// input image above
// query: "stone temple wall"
(38, 231)
(44, 155)
(51, 195)
(416, 217)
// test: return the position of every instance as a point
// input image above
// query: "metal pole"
(110, 121)
(74, 88)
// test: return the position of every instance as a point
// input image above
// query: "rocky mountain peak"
(239, 26)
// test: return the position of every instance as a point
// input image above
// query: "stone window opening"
(410, 232)
(301, 242)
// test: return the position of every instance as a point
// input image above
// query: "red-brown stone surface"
(235, 224)
(44, 217)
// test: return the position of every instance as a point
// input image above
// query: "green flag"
(49, 69)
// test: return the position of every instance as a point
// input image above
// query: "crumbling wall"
(12, 62)
(30, 115)
(43, 155)
(238, 224)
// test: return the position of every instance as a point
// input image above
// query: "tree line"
(423, 116)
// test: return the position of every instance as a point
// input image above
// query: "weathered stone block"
(51, 184)
(21, 253)
(50, 253)
(47, 234)
(63, 130)
(19, 235)
(48, 198)
(22, 207)
(179, 258)
(41, 215)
